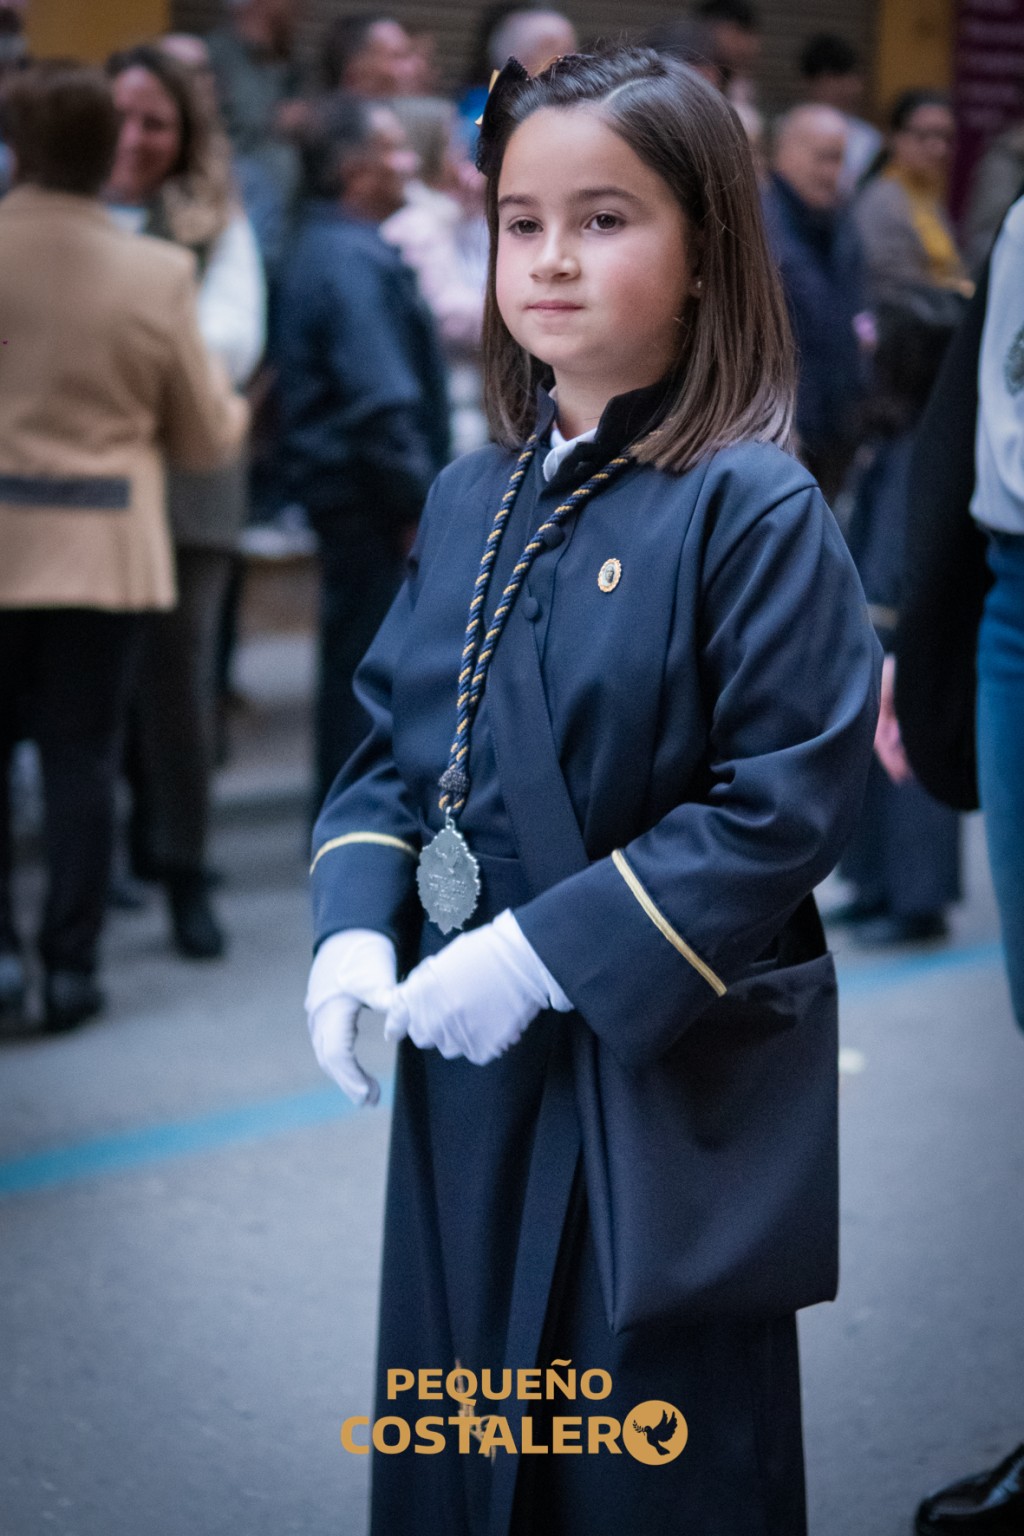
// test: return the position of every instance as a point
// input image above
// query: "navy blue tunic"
(712, 715)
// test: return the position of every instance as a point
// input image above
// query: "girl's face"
(594, 265)
(149, 143)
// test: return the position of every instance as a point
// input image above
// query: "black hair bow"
(505, 86)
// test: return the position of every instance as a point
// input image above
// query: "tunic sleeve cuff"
(663, 925)
(365, 880)
(634, 978)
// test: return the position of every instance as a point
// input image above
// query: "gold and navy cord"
(476, 655)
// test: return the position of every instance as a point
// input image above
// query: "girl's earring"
(696, 287)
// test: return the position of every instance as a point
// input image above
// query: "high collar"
(624, 419)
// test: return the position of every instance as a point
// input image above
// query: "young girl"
(622, 715)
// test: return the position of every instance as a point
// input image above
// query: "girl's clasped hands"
(473, 1000)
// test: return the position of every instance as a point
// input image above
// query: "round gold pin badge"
(609, 576)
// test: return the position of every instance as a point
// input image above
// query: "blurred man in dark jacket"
(369, 54)
(13, 42)
(833, 76)
(252, 57)
(13, 56)
(815, 244)
(364, 403)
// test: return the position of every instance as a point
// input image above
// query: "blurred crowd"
(328, 365)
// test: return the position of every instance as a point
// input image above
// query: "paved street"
(189, 1226)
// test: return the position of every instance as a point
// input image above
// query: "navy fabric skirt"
(489, 1264)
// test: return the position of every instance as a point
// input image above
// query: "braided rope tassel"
(486, 565)
(454, 783)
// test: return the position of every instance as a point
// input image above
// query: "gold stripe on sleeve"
(663, 925)
(382, 839)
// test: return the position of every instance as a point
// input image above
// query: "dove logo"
(654, 1433)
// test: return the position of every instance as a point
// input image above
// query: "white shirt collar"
(561, 448)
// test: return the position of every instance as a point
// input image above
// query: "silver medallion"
(448, 878)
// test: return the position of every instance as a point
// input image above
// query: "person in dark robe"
(622, 714)
(904, 861)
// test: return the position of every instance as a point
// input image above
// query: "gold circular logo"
(654, 1432)
(609, 575)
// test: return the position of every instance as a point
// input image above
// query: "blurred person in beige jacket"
(103, 376)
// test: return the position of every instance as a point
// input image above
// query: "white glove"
(352, 970)
(476, 997)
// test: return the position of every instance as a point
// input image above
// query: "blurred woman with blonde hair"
(172, 178)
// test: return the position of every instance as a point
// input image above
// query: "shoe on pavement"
(126, 894)
(12, 992)
(72, 997)
(197, 933)
(988, 1504)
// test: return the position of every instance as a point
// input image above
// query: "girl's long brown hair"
(734, 372)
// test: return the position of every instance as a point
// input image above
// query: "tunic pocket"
(713, 1174)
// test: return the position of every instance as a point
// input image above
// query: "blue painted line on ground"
(877, 976)
(129, 1150)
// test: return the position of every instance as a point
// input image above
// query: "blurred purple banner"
(988, 81)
